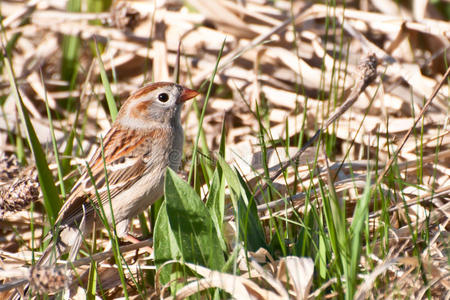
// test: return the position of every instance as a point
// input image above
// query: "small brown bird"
(145, 139)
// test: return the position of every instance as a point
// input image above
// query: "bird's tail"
(51, 254)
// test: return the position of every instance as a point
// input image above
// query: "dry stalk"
(406, 136)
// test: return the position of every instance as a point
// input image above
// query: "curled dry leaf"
(238, 287)
(298, 272)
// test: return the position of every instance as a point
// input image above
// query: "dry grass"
(295, 64)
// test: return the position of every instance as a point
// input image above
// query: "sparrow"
(126, 173)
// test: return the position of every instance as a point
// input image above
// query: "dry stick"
(422, 112)
(176, 71)
(83, 261)
(367, 72)
(11, 285)
(444, 191)
(104, 255)
(22, 14)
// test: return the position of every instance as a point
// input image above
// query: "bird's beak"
(187, 94)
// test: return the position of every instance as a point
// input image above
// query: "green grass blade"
(360, 218)
(20, 147)
(250, 220)
(70, 47)
(216, 198)
(202, 115)
(52, 202)
(108, 92)
(98, 6)
(216, 203)
(91, 290)
(55, 146)
(99, 208)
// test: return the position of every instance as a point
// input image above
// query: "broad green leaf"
(166, 249)
(191, 224)
(165, 244)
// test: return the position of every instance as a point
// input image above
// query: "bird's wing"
(125, 160)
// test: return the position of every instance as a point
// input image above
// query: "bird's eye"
(163, 97)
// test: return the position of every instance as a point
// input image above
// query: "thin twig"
(84, 261)
(406, 136)
(104, 255)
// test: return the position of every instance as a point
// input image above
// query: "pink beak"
(188, 94)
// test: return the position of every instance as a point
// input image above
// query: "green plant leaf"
(54, 142)
(92, 281)
(250, 219)
(200, 130)
(191, 224)
(52, 202)
(165, 244)
(360, 218)
(216, 197)
(108, 92)
(70, 47)
(250, 228)
(216, 203)
(166, 249)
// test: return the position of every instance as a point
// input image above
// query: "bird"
(126, 173)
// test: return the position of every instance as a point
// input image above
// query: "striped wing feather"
(124, 165)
